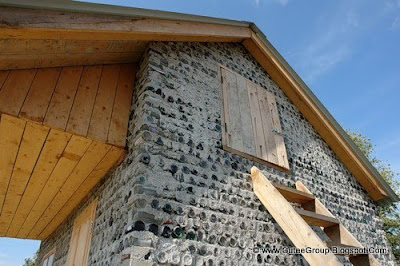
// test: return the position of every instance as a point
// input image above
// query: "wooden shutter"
(81, 235)
(251, 126)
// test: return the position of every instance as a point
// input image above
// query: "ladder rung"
(294, 195)
(313, 218)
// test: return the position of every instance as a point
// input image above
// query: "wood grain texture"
(277, 131)
(92, 157)
(266, 121)
(298, 231)
(82, 108)
(11, 132)
(14, 91)
(79, 245)
(38, 98)
(234, 135)
(74, 151)
(54, 146)
(3, 77)
(112, 156)
(28, 153)
(258, 131)
(65, 25)
(123, 97)
(63, 97)
(103, 106)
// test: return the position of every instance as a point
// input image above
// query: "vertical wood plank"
(269, 137)
(245, 116)
(79, 245)
(82, 108)
(11, 131)
(121, 108)
(95, 153)
(53, 148)
(102, 110)
(112, 156)
(256, 121)
(14, 90)
(74, 151)
(276, 125)
(233, 119)
(39, 95)
(3, 77)
(30, 148)
(63, 97)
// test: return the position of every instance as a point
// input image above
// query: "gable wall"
(176, 161)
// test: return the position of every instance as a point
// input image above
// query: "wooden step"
(313, 218)
(294, 195)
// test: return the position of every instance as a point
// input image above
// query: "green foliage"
(388, 213)
(31, 261)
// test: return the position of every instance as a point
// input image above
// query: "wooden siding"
(79, 245)
(90, 101)
(47, 172)
(251, 126)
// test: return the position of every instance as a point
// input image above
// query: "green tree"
(31, 261)
(388, 213)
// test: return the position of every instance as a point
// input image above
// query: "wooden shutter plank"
(63, 97)
(11, 131)
(51, 152)
(30, 148)
(276, 125)
(112, 156)
(74, 151)
(258, 131)
(121, 108)
(95, 153)
(82, 108)
(245, 116)
(39, 95)
(103, 105)
(269, 137)
(234, 137)
(15, 89)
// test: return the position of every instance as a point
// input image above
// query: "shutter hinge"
(226, 128)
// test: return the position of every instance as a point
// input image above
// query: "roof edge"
(97, 8)
(94, 8)
(393, 196)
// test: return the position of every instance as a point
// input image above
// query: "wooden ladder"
(296, 222)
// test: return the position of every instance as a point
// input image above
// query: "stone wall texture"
(180, 199)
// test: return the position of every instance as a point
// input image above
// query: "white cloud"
(330, 45)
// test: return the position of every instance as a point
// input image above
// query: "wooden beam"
(265, 56)
(19, 23)
(294, 195)
(316, 219)
(298, 231)
(337, 233)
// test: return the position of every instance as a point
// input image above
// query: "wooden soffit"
(92, 23)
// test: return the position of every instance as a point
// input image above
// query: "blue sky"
(347, 51)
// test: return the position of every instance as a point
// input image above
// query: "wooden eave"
(83, 21)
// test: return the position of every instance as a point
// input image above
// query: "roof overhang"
(60, 20)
